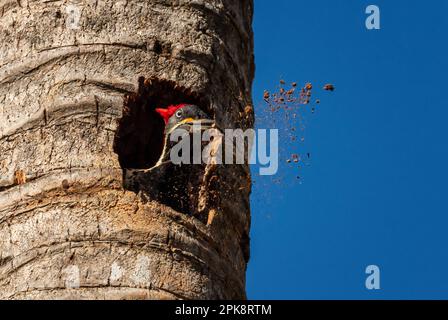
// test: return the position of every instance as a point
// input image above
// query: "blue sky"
(375, 191)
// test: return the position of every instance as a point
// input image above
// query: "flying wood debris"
(286, 110)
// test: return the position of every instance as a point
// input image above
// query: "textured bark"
(68, 227)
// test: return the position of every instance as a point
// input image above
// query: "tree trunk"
(69, 228)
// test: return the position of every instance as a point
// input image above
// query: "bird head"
(178, 114)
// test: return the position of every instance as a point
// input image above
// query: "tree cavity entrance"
(139, 138)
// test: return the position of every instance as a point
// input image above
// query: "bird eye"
(178, 113)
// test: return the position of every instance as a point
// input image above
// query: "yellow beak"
(187, 120)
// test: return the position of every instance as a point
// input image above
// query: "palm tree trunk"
(69, 229)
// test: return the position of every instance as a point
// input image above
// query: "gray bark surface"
(68, 228)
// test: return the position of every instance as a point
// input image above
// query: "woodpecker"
(177, 186)
(180, 116)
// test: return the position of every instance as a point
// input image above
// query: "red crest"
(169, 111)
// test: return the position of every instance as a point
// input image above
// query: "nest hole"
(139, 138)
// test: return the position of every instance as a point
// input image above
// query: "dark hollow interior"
(140, 134)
